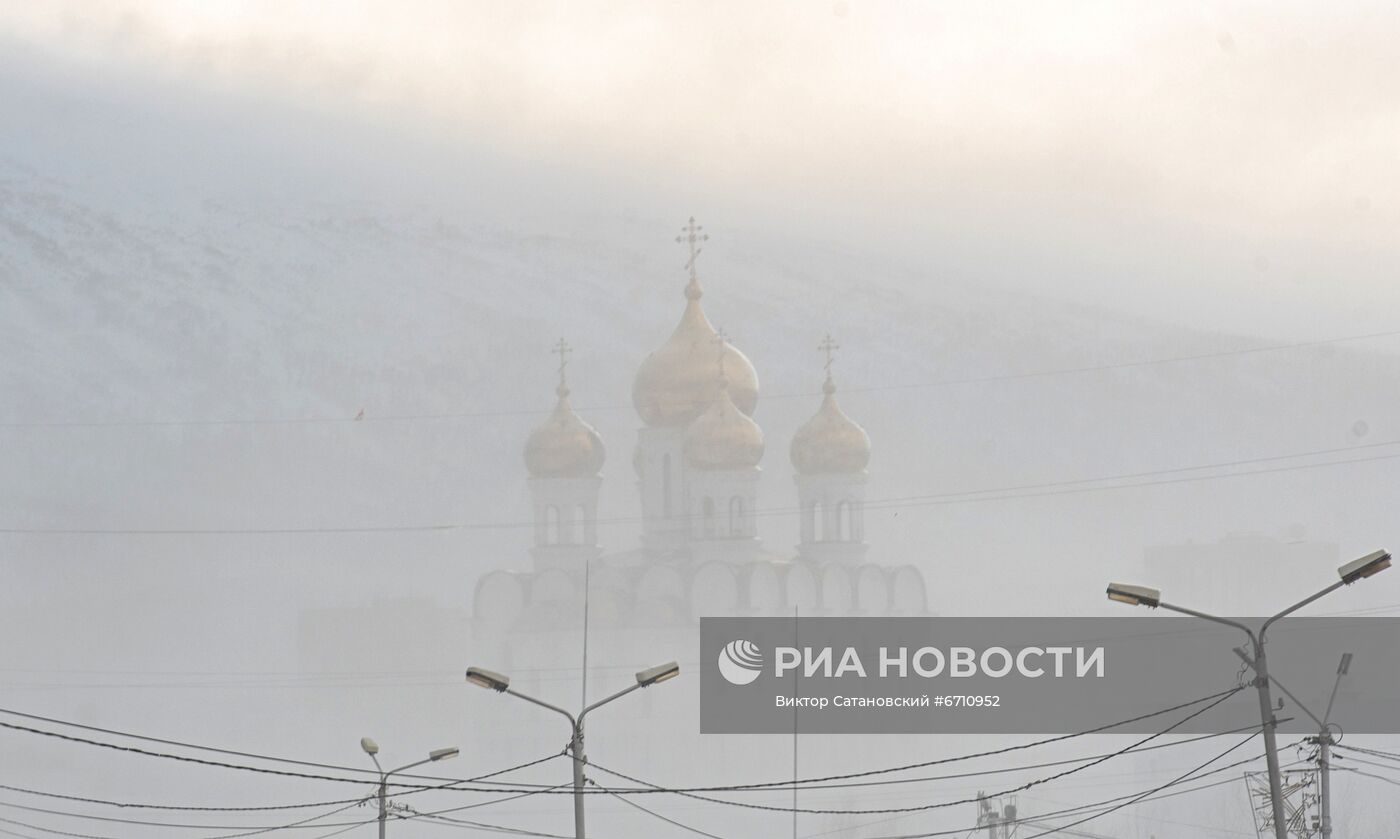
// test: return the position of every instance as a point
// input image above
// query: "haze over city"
(1113, 287)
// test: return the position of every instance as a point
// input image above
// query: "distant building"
(697, 460)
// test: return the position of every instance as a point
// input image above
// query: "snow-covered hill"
(137, 326)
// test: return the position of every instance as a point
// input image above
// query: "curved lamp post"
(1359, 569)
(372, 749)
(501, 684)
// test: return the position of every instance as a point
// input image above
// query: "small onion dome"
(565, 446)
(677, 381)
(723, 437)
(830, 441)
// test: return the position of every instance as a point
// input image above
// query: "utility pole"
(1324, 749)
(1324, 764)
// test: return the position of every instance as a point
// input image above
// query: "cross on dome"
(828, 346)
(692, 235)
(563, 350)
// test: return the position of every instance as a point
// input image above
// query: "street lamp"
(501, 684)
(1359, 569)
(371, 748)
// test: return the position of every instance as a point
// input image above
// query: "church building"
(697, 460)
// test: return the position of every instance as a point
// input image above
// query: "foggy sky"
(1229, 152)
(955, 190)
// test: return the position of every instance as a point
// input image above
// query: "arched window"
(551, 525)
(818, 522)
(843, 521)
(709, 516)
(578, 532)
(666, 486)
(736, 517)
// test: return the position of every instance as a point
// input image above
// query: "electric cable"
(655, 814)
(1118, 807)
(252, 829)
(253, 755)
(974, 496)
(449, 784)
(1117, 803)
(1078, 809)
(872, 811)
(648, 788)
(1366, 751)
(1391, 781)
(1218, 697)
(1004, 377)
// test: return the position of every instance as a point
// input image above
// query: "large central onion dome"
(565, 446)
(830, 442)
(723, 437)
(677, 381)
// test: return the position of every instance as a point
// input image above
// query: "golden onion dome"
(564, 446)
(830, 442)
(723, 437)
(677, 381)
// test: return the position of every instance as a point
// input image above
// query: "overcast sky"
(1225, 168)
(1187, 160)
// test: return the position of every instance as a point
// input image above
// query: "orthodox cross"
(692, 235)
(828, 346)
(563, 350)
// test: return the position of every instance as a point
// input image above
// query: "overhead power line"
(1371, 752)
(1391, 781)
(458, 415)
(449, 784)
(1072, 486)
(74, 835)
(655, 814)
(309, 823)
(1022, 767)
(938, 805)
(243, 830)
(1214, 699)
(454, 783)
(1081, 808)
(251, 755)
(1104, 807)
(78, 799)
(1135, 800)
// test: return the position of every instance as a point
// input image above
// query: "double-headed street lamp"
(501, 684)
(372, 749)
(1355, 570)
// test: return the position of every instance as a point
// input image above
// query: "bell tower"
(830, 453)
(673, 387)
(564, 457)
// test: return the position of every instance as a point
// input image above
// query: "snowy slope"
(126, 311)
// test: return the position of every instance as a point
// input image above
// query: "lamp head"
(1345, 664)
(371, 748)
(1366, 566)
(659, 673)
(487, 679)
(442, 754)
(1135, 595)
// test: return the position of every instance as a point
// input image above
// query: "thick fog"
(1109, 285)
